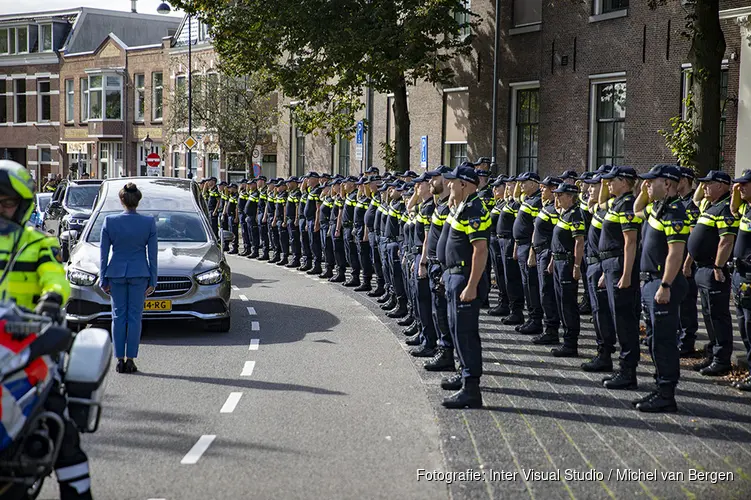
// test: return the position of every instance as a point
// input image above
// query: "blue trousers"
(665, 319)
(464, 322)
(127, 296)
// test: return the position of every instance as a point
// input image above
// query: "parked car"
(69, 211)
(194, 280)
(37, 216)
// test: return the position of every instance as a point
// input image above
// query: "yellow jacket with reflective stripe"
(36, 269)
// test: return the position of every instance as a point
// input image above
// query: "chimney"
(133, 6)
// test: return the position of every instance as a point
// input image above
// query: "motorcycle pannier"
(88, 365)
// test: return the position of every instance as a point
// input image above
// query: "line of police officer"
(431, 243)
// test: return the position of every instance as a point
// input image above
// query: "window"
(175, 164)
(3, 102)
(607, 6)
(156, 92)
(95, 97)
(299, 152)
(181, 83)
(22, 40)
(69, 95)
(14, 40)
(609, 123)
(84, 99)
(140, 85)
(527, 127)
(45, 38)
(455, 125)
(527, 12)
(105, 97)
(113, 97)
(20, 98)
(463, 18)
(4, 40)
(343, 147)
(457, 154)
(45, 155)
(44, 101)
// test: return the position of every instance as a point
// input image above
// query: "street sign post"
(424, 151)
(153, 164)
(359, 142)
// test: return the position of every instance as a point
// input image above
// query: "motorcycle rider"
(37, 281)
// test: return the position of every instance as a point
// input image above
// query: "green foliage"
(681, 138)
(387, 153)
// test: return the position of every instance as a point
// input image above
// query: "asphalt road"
(308, 396)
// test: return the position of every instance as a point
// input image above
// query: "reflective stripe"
(529, 209)
(81, 486)
(72, 471)
(464, 226)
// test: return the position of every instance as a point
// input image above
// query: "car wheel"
(221, 325)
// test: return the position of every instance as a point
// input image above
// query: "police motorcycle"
(38, 358)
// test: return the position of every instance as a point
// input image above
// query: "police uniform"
(372, 224)
(742, 279)
(362, 244)
(337, 241)
(306, 254)
(252, 206)
(327, 244)
(522, 232)
(394, 222)
(293, 229)
(424, 303)
(272, 207)
(504, 231)
(380, 224)
(350, 248)
(282, 223)
(496, 256)
(689, 313)
(263, 225)
(242, 202)
(223, 201)
(212, 203)
(315, 243)
(716, 220)
(233, 222)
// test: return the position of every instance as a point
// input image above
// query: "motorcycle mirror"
(54, 340)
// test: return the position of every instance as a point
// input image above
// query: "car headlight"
(209, 277)
(81, 278)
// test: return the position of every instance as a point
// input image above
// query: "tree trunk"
(705, 56)
(401, 124)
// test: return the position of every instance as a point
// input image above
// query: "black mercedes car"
(69, 211)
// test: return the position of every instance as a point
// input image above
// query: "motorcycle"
(38, 358)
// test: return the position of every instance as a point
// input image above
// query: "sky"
(142, 6)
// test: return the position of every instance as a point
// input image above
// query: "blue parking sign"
(424, 151)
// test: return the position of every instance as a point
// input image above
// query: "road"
(308, 396)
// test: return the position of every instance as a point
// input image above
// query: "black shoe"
(565, 351)
(130, 366)
(390, 303)
(263, 257)
(643, 399)
(244, 253)
(378, 292)
(443, 361)
(716, 369)
(399, 311)
(306, 267)
(315, 270)
(598, 364)
(233, 251)
(743, 385)
(531, 328)
(273, 260)
(283, 262)
(414, 340)
(452, 382)
(353, 282)
(700, 366)
(585, 308)
(513, 319)
(423, 352)
(384, 298)
(120, 367)
(688, 352)
(365, 287)
(546, 339)
(253, 255)
(662, 401)
(406, 321)
(337, 278)
(294, 264)
(328, 274)
(469, 396)
(411, 329)
(624, 379)
(499, 310)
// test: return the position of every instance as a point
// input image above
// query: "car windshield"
(81, 196)
(170, 226)
(43, 201)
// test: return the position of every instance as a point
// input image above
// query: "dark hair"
(130, 196)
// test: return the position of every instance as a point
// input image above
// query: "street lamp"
(147, 143)
(164, 8)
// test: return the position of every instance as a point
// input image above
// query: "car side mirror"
(227, 236)
(53, 205)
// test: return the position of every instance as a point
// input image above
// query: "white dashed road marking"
(255, 326)
(231, 403)
(254, 344)
(252, 311)
(234, 287)
(248, 369)
(198, 449)
(243, 298)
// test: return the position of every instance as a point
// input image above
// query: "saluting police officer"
(231, 215)
(345, 226)
(496, 255)
(242, 202)
(504, 231)
(323, 217)
(689, 313)
(306, 252)
(212, 202)
(263, 228)
(372, 232)
(464, 259)
(293, 224)
(313, 224)
(360, 236)
(741, 206)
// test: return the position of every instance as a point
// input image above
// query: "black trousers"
(263, 234)
(383, 244)
(364, 253)
(274, 237)
(514, 286)
(424, 310)
(410, 281)
(439, 306)
(497, 261)
(350, 250)
(337, 245)
(293, 232)
(72, 465)
(327, 246)
(464, 322)
(234, 226)
(715, 307)
(315, 242)
(566, 295)
(601, 315)
(530, 282)
(215, 225)
(689, 313)
(244, 230)
(395, 267)
(743, 310)
(283, 238)
(548, 298)
(665, 319)
(305, 247)
(375, 256)
(625, 305)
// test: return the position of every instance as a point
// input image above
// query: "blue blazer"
(129, 234)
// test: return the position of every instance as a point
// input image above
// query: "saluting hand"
(468, 294)
(662, 296)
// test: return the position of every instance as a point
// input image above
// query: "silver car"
(194, 277)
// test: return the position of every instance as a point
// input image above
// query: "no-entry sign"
(153, 160)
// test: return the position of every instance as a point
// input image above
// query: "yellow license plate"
(157, 305)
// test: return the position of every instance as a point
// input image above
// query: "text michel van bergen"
(573, 475)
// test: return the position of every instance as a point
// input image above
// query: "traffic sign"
(424, 151)
(153, 160)
(256, 170)
(190, 143)
(359, 140)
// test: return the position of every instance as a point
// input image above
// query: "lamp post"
(164, 8)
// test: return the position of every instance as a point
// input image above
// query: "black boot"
(716, 369)
(602, 362)
(413, 328)
(284, 261)
(244, 253)
(469, 396)
(390, 303)
(516, 318)
(500, 310)
(382, 299)
(307, 266)
(585, 307)
(400, 310)
(423, 351)
(315, 270)
(366, 285)
(406, 321)
(276, 258)
(265, 256)
(643, 399)
(565, 351)
(443, 361)
(625, 378)
(550, 337)
(452, 382)
(328, 274)
(354, 281)
(663, 401)
(379, 290)
(531, 328)
(338, 277)
(294, 264)
(414, 340)
(703, 364)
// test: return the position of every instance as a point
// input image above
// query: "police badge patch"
(677, 226)
(474, 223)
(630, 217)
(729, 220)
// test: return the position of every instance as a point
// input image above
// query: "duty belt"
(505, 235)
(417, 249)
(540, 248)
(458, 270)
(610, 254)
(433, 261)
(593, 260)
(562, 256)
(648, 276)
(346, 224)
(523, 242)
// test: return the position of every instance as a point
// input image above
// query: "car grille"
(171, 286)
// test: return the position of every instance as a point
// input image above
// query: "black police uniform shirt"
(232, 204)
(213, 200)
(395, 219)
(525, 219)
(242, 200)
(715, 220)
(495, 213)
(505, 226)
(437, 221)
(742, 250)
(281, 202)
(311, 203)
(408, 233)
(302, 200)
(424, 217)
(253, 203)
(583, 201)
(327, 206)
(692, 211)
(338, 205)
(545, 221)
(595, 228)
(470, 222)
(382, 216)
(570, 224)
(619, 219)
(667, 223)
(486, 195)
(361, 208)
(262, 200)
(372, 213)
(293, 198)
(348, 216)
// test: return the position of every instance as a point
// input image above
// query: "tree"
(323, 53)
(236, 110)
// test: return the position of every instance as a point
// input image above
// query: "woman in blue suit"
(131, 274)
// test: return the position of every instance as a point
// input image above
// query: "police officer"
(271, 220)
(496, 256)
(359, 234)
(282, 221)
(600, 308)
(572, 177)
(306, 253)
(689, 314)
(212, 202)
(541, 257)
(529, 184)
(664, 238)
(232, 215)
(223, 200)
(242, 202)
(619, 240)
(327, 244)
(710, 246)
(37, 280)
(741, 207)
(567, 249)
(337, 240)
(394, 222)
(251, 219)
(293, 227)
(464, 258)
(263, 226)
(313, 224)
(504, 231)
(407, 257)
(372, 232)
(380, 225)
(345, 226)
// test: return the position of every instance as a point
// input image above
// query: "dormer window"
(45, 38)
(14, 40)
(105, 97)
